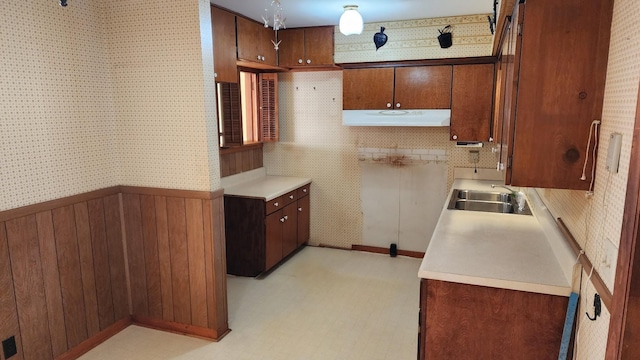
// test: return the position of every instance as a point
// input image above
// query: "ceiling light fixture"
(274, 11)
(351, 21)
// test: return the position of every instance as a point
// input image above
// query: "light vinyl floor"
(322, 304)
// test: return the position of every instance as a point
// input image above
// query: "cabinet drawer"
(273, 205)
(290, 197)
(303, 190)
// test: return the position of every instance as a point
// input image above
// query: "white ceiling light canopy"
(351, 21)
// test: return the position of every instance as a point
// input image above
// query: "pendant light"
(351, 21)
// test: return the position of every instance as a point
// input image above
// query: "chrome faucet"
(493, 186)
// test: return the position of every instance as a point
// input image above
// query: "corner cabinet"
(471, 102)
(260, 234)
(560, 53)
(411, 87)
(306, 47)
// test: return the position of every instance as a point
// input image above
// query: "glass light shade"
(351, 21)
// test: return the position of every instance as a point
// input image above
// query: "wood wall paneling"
(51, 279)
(101, 263)
(9, 325)
(135, 253)
(24, 252)
(164, 258)
(116, 257)
(70, 275)
(214, 221)
(87, 268)
(240, 159)
(177, 226)
(151, 257)
(196, 252)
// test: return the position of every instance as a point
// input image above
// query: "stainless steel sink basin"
(484, 196)
(486, 201)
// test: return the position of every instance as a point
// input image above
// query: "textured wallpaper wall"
(416, 39)
(598, 220)
(160, 92)
(99, 94)
(57, 115)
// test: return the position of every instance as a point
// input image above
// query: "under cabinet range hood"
(440, 117)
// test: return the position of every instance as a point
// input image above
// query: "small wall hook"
(597, 308)
(63, 3)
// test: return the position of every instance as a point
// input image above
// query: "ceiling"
(299, 13)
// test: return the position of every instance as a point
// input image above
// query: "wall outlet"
(9, 347)
(607, 268)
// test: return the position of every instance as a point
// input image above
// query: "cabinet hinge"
(509, 161)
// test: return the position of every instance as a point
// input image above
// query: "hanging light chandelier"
(351, 21)
(274, 11)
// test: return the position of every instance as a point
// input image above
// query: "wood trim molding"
(57, 203)
(191, 194)
(625, 311)
(381, 250)
(177, 328)
(427, 62)
(506, 9)
(598, 283)
(95, 340)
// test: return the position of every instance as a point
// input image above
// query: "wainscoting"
(240, 159)
(75, 271)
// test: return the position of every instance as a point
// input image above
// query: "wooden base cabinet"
(460, 321)
(260, 234)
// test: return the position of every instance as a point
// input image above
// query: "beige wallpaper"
(416, 40)
(598, 220)
(57, 115)
(314, 143)
(161, 95)
(98, 94)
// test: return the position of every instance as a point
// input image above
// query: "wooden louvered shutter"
(230, 112)
(268, 99)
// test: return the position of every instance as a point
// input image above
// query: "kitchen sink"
(486, 201)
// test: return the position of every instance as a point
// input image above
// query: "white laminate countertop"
(506, 251)
(263, 186)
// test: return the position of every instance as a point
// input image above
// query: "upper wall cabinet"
(562, 50)
(471, 102)
(224, 45)
(254, 42)
(308, 47)
(413, 87)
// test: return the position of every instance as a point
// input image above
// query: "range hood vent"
(440, 117)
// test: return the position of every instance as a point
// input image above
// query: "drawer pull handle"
(290, 196)
(304, 190)
(286, 217)
(281, 220)
(275, 204)
(300, 209)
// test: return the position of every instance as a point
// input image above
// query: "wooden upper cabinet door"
(248, 39)
(367, 89)
(471, 102)
(268, 53)
(224, 45)
(565, 46)
(291, 51)
(318, 46)
(423, 87)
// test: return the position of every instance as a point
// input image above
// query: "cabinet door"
(471, 102)
(268, 53)
(304, 219)
(290, 229)
(365, 89)
(248, 39)
(423, 87)
(318, 46)
(291, 51)
(273, 250)
(224, 45)
(565, 46)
